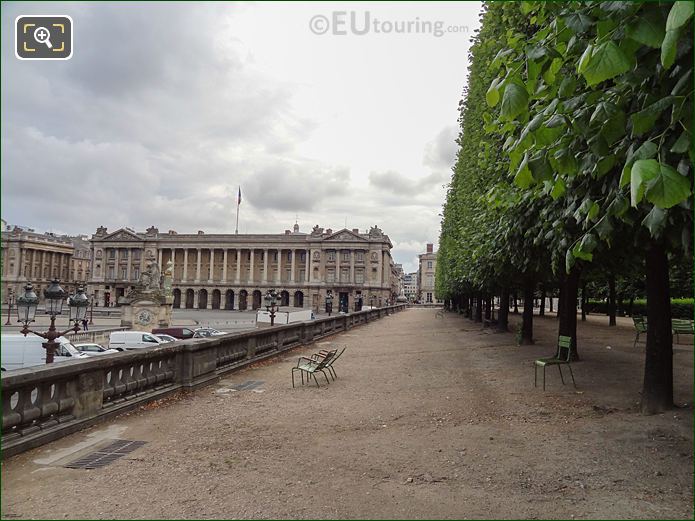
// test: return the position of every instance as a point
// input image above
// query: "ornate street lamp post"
(329, 302)
(10, 301)
(358, 303)
(271, 300)
(372, 301)
(55, 295)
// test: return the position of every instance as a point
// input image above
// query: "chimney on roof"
(201, 232)
(287, 232)
(355, 230)
(430, 247)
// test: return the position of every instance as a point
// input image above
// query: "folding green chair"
(564, 353)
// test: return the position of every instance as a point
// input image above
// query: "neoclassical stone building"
(38, 258)
(230, 271)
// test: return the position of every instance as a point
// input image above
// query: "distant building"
(426, 274)
(410, 286)
(234, 271)
(38, 258)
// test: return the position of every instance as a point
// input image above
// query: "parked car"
(204, 332)
(166, 338)
(19, 351)
(133, 340)
(177, 332)
(96, 349)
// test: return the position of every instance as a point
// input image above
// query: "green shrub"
(680, 307)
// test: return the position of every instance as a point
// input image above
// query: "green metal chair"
(680, 326)
(564, 353)
(640, 327)
(311, 367)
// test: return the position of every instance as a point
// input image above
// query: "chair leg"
(572, 375)
(561, 378)
(315, 380)
(292, 378)
(326, 377)
(544, 378)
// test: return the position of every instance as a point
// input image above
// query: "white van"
(19, 351)
(132, 340)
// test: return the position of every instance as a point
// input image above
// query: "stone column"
(159, 260)
(197, 265)
(130, 263)
(43, 263)
(294, 264)
(265, 265)
(211, 271)
(237, 278)
(224, 266)
(307, 266)
(352, 266)
(251, 260)
(184, 276)
(279, 277)
(195, 298)
(380, 270)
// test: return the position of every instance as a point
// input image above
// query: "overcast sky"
(166, 108)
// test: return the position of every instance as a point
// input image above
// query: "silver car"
(95, 349)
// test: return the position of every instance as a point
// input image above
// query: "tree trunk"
(479, 307)
(584, 302)
(488, 307)
(632, 302)
(611, 299)
(541, 311)
(657, 391)
(527, 317)
(503, 315)
(567, 308)
(551, 302)
(516, 305)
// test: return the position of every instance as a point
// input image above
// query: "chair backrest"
(564, 348)
(640, 323)
(337, 355)
(329, 356)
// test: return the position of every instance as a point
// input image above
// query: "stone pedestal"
(147, 312)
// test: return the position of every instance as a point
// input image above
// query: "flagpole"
(238, 203)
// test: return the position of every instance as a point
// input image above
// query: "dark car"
(176, 332)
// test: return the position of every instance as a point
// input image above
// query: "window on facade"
(346, 256)
(429, 297)
(360, 256)
(111, 272)
(302, 256)
(330, 276)
(302, 275)
(123, 253)
(429, 264)
(124, 272)
(331, 256)
(112, 253)
(359, 277)
(344, 275)
(275, 257)
(136, 254)
(136, 273)
(289, 256)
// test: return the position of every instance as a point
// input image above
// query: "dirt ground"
(429, 418)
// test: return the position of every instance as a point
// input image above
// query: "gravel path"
(429, 418)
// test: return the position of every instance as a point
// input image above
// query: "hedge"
(680, 307)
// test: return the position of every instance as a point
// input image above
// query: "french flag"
(238, 201)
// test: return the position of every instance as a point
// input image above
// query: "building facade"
(230, 271)
(426, 276)
(410, 286)
(38, 258)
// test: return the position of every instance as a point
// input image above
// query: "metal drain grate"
(106, 455)
(248, 385)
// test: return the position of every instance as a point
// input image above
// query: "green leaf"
(584, 60)
(668, 48)
(648, 30)
(682, 144)
(593, 211)
(492, 96)
(605, 164)
(578, 22)
(607, 61)
(523, 178)
(604, 228)
(647, 150)
(514, 101)
(645, 119)
(567, 85)
(558, 189)
(669, 187)
(642, 172)
(578, 252)
(555, 121)
(679, 14)
(569, 261)
(655, 221)
(619, 206)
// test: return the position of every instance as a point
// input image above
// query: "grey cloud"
(440, 153)
(399, 184)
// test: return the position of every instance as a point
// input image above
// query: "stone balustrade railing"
(46, 403)
(97, 336)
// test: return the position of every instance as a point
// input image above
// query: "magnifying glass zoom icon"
(43, 35)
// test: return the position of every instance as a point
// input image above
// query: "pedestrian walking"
(85, 323)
